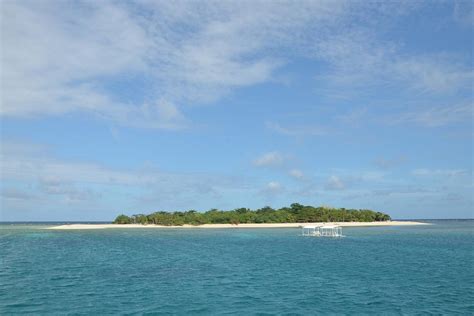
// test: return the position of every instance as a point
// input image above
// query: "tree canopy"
(295, 213)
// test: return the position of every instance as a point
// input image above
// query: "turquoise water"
(394, 270)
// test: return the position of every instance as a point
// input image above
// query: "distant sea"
(376, 270)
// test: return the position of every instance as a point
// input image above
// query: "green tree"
(122, 219)
(296, 213)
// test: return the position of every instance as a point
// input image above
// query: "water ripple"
(408, 270)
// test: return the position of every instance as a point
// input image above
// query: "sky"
(112, 107)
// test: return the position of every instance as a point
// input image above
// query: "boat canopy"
(322, 230)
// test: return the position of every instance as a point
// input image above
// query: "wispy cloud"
(439, 172)
(420, 115)
(270, 159)
(437, 74)
(272, 188)
(297, 174)
(296, 130)
(362, 63)
(435, 116)
(68, 190)
(335, 183)
(182, 54)
(463, 13)
(354, 117)
(16, 194)
(388, 163)
(66, 55)
(42, 176)
(161, 114)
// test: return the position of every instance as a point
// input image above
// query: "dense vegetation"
(296, 213)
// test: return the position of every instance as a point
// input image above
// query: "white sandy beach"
(276, 225)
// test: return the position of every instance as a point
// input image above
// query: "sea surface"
(376, 270)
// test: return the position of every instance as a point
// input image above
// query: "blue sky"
(130, 107)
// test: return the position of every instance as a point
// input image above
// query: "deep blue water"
(394, 270)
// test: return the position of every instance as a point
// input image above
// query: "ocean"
(377, 270)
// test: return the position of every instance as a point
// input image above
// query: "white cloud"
(20, 164)
(272, 188)
(297, 130)
(270, 159)
(297, 174)
(16, 194)
(335, 183)
(388, 163)
(53, 55)
(52, 176)
(159, 114)
(436, 74)
(361, 62)
(354, 117)
(60, 57)
(70, 191)
(435, 116)
(419, 115)
(439, 172)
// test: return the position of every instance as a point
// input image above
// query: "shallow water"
(376, 270)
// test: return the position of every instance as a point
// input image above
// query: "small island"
(294, 216)
(295, 213)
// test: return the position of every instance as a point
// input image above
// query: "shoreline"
(252, 225)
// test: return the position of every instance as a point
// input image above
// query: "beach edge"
(214, 226)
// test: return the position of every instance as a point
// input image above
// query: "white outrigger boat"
(322, 231)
